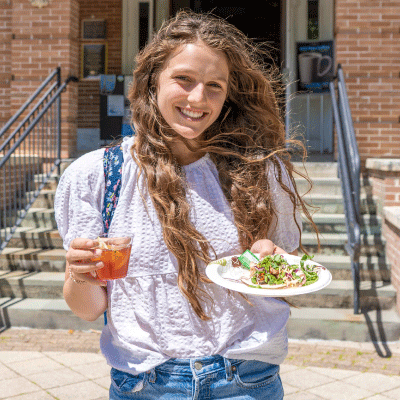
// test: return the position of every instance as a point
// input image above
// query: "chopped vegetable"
(221, 261)
(275, 272)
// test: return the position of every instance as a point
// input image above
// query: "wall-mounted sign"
(40, 3)
(315, 65)
(115, 105)
(93, 60)
(94, 29)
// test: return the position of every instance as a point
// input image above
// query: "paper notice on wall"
(115, 105)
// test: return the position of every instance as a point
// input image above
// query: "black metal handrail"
(30, 151)
(349, 170)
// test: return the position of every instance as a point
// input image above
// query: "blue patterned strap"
(112, 163)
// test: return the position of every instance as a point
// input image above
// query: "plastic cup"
(115, 253)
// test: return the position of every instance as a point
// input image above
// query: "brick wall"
(111, 12)
(89, 104)
(5, 60)
(385, 188)
(368, 47)
(34, 41)
(391, 232)
(384, 178)
(367, 38)
(42, 39)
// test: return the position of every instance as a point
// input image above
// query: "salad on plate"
(283, 272)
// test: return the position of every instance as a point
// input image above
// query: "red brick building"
(38, 35)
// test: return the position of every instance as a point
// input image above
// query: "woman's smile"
(191, 113)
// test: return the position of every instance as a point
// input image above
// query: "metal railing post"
(352, 147)
(350, 177)
(27, 103)
(30, 153)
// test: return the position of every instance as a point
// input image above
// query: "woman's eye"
(215, 85)
(182, 78)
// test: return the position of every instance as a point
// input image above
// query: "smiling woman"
(192, 90)
(207, 175)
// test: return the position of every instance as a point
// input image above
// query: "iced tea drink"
(115, 253)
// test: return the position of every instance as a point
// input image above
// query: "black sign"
(315, 65)
(94, 61)
(111, 109)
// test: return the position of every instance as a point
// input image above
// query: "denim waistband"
(197, 366)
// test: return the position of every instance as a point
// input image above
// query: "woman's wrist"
(73, 279)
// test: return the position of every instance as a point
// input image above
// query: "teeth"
(192, 114)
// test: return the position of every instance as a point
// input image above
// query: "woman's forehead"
(198, 54)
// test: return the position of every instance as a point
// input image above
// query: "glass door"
(308, 67)
(260, 21)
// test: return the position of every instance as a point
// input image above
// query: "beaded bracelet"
(79, 282)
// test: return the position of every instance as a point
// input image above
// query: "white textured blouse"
(149, 320)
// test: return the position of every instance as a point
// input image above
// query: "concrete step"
(36, 217)
(45, 201)
(45, 198)
(39, 218)
(42, 314)
(51, 183)
(333, 204)
(39, 285)
(30, 259)
(326, 186)
(29, 237)
(54, 177)
(43, 217)
(318, 169)
(336, 223)
(372, 268)
(33, 259)
(334, 243)
(339, 294)
(304, 323)
(343, 324)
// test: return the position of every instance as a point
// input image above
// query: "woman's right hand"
(81, 261)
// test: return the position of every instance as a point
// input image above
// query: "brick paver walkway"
(363, 357)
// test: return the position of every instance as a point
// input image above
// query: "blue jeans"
(212, 377)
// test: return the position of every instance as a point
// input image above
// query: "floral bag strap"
(112, 163)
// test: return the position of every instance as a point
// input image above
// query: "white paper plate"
(222, 275)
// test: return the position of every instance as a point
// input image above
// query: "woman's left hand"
(265, 247)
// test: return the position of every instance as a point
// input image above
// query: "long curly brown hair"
(248, 132)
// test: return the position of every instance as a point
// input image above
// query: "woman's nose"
(197, 94)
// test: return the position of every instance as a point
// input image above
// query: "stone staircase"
(31, 271)
(328, 314)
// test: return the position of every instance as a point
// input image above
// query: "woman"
(207, 175)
